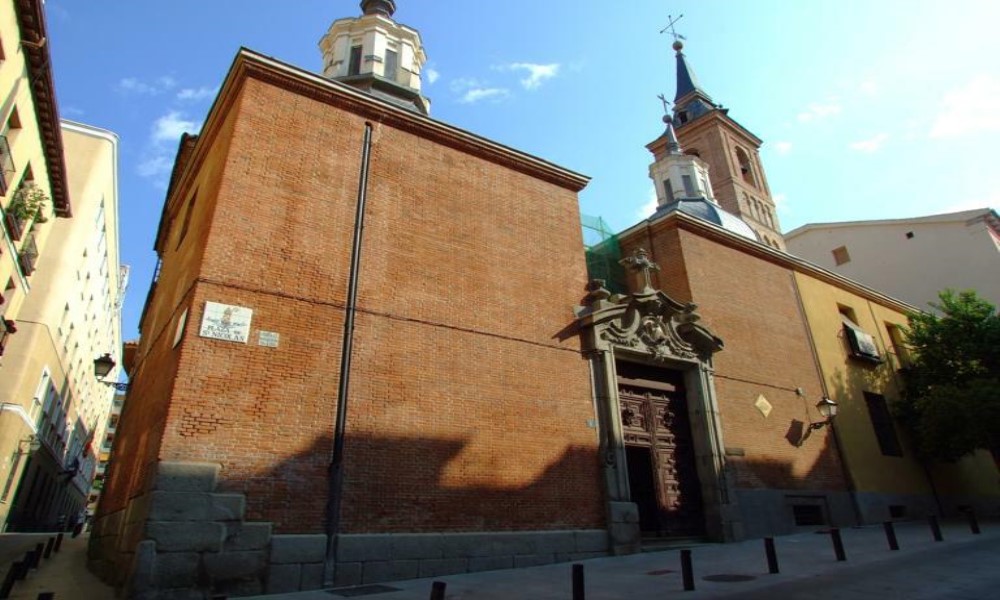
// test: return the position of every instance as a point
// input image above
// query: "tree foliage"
(952, 399)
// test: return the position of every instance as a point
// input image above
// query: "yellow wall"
(847, 378)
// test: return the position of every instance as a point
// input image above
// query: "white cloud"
(869, 87)
(432, 75)
(196, 94)
(782, 148)
(476, 94)
(131, 85)
(818, 110)
(170, 126)
(780, 201)
(537, 73)
(870, 145)
(649, 207)
(157, 158)
(969, 109)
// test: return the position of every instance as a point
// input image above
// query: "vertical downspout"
(336, 470)
(852, 488)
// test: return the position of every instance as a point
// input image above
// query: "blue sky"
(868, 109)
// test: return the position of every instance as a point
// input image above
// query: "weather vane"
(670, 26)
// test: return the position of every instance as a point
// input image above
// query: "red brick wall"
(466, 412)
(751, 304)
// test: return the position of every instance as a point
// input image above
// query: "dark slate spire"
(673, 146)
(690, 101)
(384, 7)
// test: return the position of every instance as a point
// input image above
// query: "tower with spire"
(376, 54)
(730, 153)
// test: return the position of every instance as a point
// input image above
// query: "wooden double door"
(659, 449)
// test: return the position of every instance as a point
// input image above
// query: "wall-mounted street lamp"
(828, 410)
(103, 366)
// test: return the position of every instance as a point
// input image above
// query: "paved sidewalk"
(807, 562)
(64, 573)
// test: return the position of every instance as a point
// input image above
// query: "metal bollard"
(890, 535)
(48, 546)
(437, 590)
(25, 566)
(8, 581)
(973, 522)
(838, 544)
(46, 596)
(687, 570)
(579, 591)
(935, 528)
(39, 551)
(58, 545)
(772, 555)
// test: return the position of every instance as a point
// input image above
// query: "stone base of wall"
(183, 540)
(770, 512)
(373, 558)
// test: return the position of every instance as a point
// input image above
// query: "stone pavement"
(922, 568)
(64, 573)
(963, 566)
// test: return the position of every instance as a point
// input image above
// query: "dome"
(705, 210)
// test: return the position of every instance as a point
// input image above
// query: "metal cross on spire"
(666, 104)
(677, 37)
(639, 261)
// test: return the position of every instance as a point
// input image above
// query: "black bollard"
(46, 596)
(579, 592)
(935, 528)
(48, 546)
(772, 555)
(973, 523)
(890, 534)
(25, 566)
(687, 570)
(838, 544)
(8, 581)
(39, 551)
(58, 545)
(437, 590)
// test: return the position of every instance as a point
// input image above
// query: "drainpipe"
(336, 470)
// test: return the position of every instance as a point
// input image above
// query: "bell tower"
(376, 54)
(706, 130)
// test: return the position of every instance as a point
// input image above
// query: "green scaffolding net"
(603, 253)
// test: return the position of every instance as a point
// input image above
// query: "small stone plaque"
(225, 322)
(267, 338)
(763, 405)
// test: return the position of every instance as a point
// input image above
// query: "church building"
(371, 351)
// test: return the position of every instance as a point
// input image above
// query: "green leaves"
(952, 400)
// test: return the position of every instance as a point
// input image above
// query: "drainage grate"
(364, 590)
(729, 578)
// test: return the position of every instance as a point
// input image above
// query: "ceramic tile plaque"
(225, 322)
(268, 339)
(763, 405)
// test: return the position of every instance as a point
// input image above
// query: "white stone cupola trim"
(376, 54)
(677, 176)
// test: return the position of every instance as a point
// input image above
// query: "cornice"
(677, 220)
(31, 21)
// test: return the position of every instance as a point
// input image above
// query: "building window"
(668, 190)
(885, 431)
(391, 64)
(861, 344)
(746, 169)
(688, 186)
(354, 65)
(841, 256)
(187, 219)
(898, 340)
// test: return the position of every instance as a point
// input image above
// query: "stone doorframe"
(650, 327)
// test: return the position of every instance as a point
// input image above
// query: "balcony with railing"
(27, 256)
(7, 169)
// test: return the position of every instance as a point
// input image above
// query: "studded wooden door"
(655, 424)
